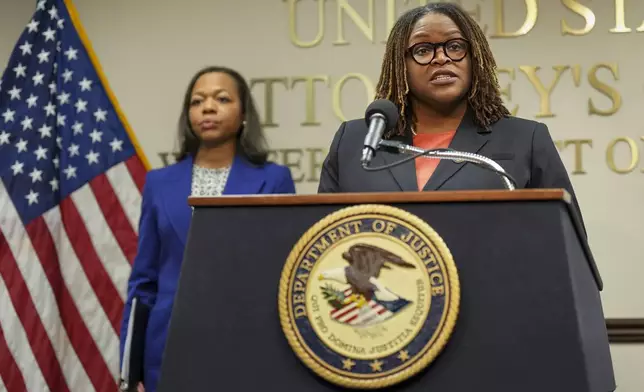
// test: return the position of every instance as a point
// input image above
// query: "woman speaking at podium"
(439, 72)
(223, 152)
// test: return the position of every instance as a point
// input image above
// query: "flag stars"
(78, 128)
(53, 13)
(100, 115)
(96, 136)
(26, 48)
(50, 109)
(59, 142)
(32, 100)
(50, 35)
(60, 120)
(92, 157)
(70, 172)
(73, 150)
(17, 168)
(63, 98)
(33, 26)
(81, 106)
(41, 153)
(54, 185)
(27, 123)
(56, 162)
(71, 53)
(32, 197)
(43, 56)
(20, 71)
(52, 88)
(41, 5)
(21, 145)
(14, 93)
(117, 145)
(36, 176)
(38, 78)
(8, 115)
(4, 138)
(45, 131)
(61, 23)
(67, 75)
(85, 84)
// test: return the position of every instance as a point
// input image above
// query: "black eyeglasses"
(424, 52)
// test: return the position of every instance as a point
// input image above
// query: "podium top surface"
(469, 196)
(384, 197)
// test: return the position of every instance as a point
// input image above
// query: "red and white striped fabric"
(62, 285)
(71, 180)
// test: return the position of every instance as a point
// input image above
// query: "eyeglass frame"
(437, 45)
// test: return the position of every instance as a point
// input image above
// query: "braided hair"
(484, 97)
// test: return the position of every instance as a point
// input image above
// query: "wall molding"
(623, 330)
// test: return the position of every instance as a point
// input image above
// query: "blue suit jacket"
(163, 228)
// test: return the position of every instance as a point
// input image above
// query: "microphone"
(380, 115)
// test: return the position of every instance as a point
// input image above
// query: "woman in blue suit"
(223, 152)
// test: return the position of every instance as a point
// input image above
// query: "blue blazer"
(163, 228)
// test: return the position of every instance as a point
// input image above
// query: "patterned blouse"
(208, 182)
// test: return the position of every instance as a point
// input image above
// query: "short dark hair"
(251, 142)
(484, 96)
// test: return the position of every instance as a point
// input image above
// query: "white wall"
(150, 48)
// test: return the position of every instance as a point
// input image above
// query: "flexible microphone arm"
(452, 155)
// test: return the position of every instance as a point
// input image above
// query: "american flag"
(371, 313)
(70, 194)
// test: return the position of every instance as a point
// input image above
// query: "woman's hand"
(140, 388)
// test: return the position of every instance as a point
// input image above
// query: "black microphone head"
(384, 107)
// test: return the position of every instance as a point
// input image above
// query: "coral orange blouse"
(425, 167)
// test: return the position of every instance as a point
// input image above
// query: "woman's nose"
(210, 105)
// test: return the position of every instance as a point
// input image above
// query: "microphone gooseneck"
(443, 153)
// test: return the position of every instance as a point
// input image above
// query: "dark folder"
(132, 362)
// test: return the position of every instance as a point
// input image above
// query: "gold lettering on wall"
(544, 93)
(366, 27)
(310, 119)
(392, 14)
(532, 12)
(337, 92)
(634, 154)
(605, 89)
(292, 158)
(578, 153)
(316, 158)
(269, 97)
(581, 10)
(507, 92)
(292, 25)
(620, 19)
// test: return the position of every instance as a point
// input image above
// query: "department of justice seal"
(369, 296)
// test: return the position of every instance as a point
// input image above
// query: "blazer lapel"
(468, 138)
(404, 174)
(176, 198)
(244, 178)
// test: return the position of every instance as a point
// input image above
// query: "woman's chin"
(215, 137)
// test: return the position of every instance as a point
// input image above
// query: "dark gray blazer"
(522, 147)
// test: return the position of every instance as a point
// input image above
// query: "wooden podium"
(530, 316)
